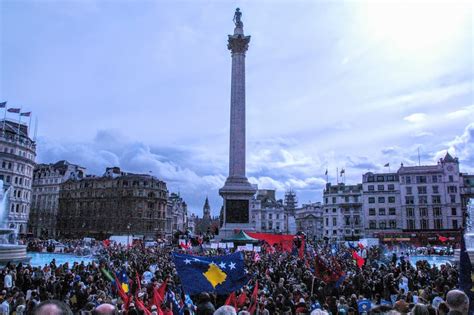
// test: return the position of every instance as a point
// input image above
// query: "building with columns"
(309, 219)
(267, 213)
(176, 214)
(117, 203)
(47, 180)
(342, 212)
(17, 161)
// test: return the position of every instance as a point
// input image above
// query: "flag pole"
(36, 128)
(29, 125)
(19, 120)
(337, 175)
(4, 119)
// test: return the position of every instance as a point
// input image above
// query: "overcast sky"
(145, 85)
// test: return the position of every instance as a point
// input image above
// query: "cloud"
(463, 147)
(461, 113)
(416, 118)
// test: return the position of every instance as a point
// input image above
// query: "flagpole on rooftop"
(4, 117)
(29, 125)
(36, 128)
(19, 120)
(337, 175)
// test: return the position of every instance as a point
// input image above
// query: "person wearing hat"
(301, 307)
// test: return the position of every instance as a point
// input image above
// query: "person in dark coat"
(205, 307)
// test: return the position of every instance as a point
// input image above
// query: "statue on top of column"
(237, 16)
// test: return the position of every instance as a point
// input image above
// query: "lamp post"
(128, 234)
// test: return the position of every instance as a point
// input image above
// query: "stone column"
(238, 45)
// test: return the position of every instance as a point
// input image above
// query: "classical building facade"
(117, 203)
(342, 212)
(17, 161)
(309, 219)
(47, 180)
(382, 210)
(431, 197)
(267, 213)
(176, 214)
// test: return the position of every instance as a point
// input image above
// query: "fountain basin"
(13, 253)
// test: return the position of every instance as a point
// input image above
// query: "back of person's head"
(52, 307)
(225, 310)
(443, 308)
(420, 309)
(457, 301)
(204, 297)
(319, 312)
(105, 309)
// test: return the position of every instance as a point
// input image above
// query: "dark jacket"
(205, 308)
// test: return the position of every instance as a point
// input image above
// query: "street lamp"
(128, 234)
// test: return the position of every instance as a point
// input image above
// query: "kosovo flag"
(123, 278)
(364, 306)
(219, 274)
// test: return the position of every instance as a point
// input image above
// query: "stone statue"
(237, 16)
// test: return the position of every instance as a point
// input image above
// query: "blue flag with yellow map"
(219, 274)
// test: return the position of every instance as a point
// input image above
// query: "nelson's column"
(237, 191)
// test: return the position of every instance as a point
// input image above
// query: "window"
(333, 199)
(392, 211)
(334, 210)
(411, 224)
(434, 178)
(422, 200)
(372, 225)
(436, 199)
(348, 221)
(381, 199)
(408, 179)
(435, 189)
(452, 189)
(270, 216)
(410, 212)
(424, 224)
(356, 199)
(437, 211)
(370, 187)
(334, 221)
(326, 200)
(327, 221)
(390, 178)
(380, 187)
(391, 187)
(346, 199)
(409, 200)
(453, 198)
(422, 190)
(370, 178)
(438, 224)
(383, 225)
(420, 179)
(391, 199)
(453, 211)
(409, 190)
(278, 216)
(455, 224)
(380, 178)
(392, 224)
(381, 211)
(423, 212)
(371, 211)
(451, 178)
(371, 199)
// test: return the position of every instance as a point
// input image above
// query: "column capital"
(238, 43)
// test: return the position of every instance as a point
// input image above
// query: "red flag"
(359, 260)
(120, 290)
(106, 243)
(142, 307)
(361, 246)
(231, 300)
(241, 299)
(442, 238)
(159, 294)
(139, 284)
(254, 299)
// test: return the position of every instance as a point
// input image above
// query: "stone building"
(47, 180)
(117, 203)
(207, 224)
(176, 214)
(309, 219)
(17, 161)
(381, 203)
(342, 212)
(431, 198)
(267, 213)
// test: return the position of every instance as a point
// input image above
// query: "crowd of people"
(325, 280)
